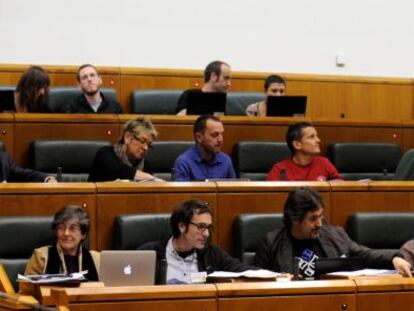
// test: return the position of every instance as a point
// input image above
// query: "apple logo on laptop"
(128, 270)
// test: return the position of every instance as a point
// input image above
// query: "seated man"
(305, 163)
(274, 85)
(92, 100)
(304, 236)
(11, 172)
(205, 160)
(188, 251)
(216, 79)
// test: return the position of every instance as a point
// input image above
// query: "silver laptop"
(128, 268)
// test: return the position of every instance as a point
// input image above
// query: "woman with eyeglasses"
(68, 254)
(125, 160)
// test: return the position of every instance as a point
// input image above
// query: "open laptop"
(6, 100)
(286, 106)
(128, 268)
(334, 264)
(206, 103)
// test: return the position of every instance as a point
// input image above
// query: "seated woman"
(274, 86)
(32, 90)
(125, 160)
(68, 255)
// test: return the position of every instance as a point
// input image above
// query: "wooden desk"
(145, 298)
(39, 199)
(234, 198)
(31, 127)
(304, 295)
(382, 294)
(117, 198)
(374, 196)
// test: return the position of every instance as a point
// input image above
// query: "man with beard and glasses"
(185, 255)
(92, 100)
(306, 238)
(205, 160)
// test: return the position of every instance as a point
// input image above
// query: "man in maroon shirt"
(305, 163)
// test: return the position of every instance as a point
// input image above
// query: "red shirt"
(320, 169)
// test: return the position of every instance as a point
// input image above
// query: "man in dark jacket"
(92, 100)
(305, 238)
(188, 252)
(11, 172)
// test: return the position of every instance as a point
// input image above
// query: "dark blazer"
(11, 172)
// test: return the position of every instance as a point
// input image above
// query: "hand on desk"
(402, 266)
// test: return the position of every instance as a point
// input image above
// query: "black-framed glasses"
(203, 226)
(143, 141)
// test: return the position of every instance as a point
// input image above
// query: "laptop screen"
(206, 103)
(286, 106)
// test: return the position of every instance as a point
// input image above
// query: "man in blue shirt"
(205, 160)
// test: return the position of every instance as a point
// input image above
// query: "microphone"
(59, 174)
(173, 174)
(385, 172)
(283, 174)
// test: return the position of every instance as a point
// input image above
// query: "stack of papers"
(256, 274)
(53, 278)
(364, 272)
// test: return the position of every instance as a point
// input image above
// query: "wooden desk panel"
(147, 298)
(378, 197)
(304, 295)
(115, 199)
(235, 198)
(34, 199)
(30, 127)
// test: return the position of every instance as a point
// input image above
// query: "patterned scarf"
(120, 153)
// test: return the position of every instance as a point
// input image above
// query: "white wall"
(296, 36)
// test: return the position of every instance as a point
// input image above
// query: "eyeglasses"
(143, 141)
(203, 226)
(70, 228)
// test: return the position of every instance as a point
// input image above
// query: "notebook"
(286, 106)
(128, 268)
(6, 100)
(206, 103)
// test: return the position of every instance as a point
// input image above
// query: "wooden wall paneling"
(236, 198)
(37, 199)
(408, 135)
(7, 132)
(349, 198)
(330, 132)
(30, 127)
(115, 199)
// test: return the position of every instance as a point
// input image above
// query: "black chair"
(254, 159)
(237, 102)
(155, 101)
(19, 236)
(132, 231)
(7, 98)
(250, 229)
(61, 95)
(74, 157)
(161, 157)
(2, 147)
(381, 230)
(376, 161)
(405, 168)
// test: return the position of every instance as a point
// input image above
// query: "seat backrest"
(381, 230)
(237, 102)
(354, 161)
(19, 236)
(132, 231)
(405, 168)
(63, 94)
(75, 157)
(161, 157)
(250, 229)
(245, 158)
(155, 101)
(2, 147)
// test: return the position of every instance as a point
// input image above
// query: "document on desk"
(53, 278)
(364, 272)
(260, 274)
